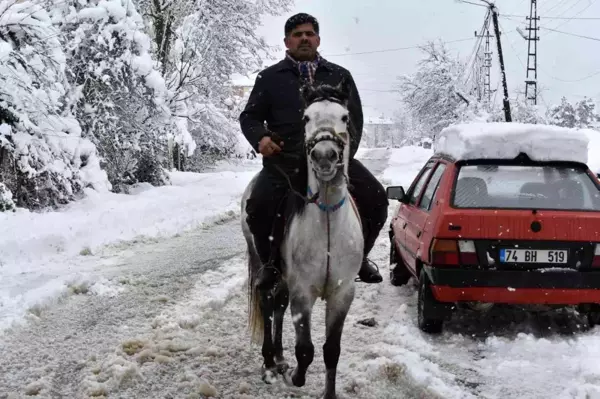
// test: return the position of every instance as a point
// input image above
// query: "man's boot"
(369, 272)
(271, 271)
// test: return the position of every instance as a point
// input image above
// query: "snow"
(202, 333)
(404, 164)
(41, 252)
(508, 140)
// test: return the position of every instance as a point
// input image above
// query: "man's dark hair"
(301, 19)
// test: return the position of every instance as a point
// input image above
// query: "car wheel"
(593, 316)
(426, 306)
(399, 275)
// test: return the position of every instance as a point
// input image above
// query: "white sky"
(349, 26)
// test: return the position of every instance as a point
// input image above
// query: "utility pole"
(486, 66)
(532, 41)
(505, 101)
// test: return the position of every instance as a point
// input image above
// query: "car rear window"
(525, 187)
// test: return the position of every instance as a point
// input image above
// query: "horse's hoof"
(269, 376)
(282, 367)
(292, 378)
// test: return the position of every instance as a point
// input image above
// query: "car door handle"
(419, 234)
(404, 225)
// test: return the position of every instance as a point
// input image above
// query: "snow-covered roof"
(243, 80)
(378, 121)
(503, 140)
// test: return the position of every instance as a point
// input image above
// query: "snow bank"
(41, 252)
(404, 165)
(104, 218)
(508, 140)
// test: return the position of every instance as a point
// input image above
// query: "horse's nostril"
(331, 155)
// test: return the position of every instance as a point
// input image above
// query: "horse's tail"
(255, 316)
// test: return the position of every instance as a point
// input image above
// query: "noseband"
(332, 136)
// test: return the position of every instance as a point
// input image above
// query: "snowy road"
(169, 322)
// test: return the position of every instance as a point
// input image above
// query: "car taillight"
(453, 253)
(444, 252)
(468, 255)
(596, 261)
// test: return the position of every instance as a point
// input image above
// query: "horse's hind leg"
(282, 299)
(268, 349)
(335, 316)
(301, 308)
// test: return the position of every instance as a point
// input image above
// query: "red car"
(508, 230)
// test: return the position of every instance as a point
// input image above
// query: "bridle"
(318, 136)
(331, 136)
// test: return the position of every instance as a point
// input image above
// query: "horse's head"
(326, 138)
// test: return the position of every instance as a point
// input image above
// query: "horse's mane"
(325, 92)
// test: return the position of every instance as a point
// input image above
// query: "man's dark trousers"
(265, 210)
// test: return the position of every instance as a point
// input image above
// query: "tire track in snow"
(77, 335)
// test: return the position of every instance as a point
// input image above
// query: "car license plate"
(533, 256)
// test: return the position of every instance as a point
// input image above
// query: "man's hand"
(268, 147)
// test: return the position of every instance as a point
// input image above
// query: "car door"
(405, 213)
(418, 231)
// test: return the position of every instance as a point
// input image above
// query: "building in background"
(242, 84)
(382, 132)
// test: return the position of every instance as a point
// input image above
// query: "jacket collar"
(286, 64)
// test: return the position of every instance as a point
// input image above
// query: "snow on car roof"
(502, 140)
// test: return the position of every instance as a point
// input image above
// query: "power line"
(571, 34)
(574, 16)
(475, 4)
(552, 76)
(574, 80)
(389, 50)
(569, 18)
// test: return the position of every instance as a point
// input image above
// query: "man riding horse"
(276, 100)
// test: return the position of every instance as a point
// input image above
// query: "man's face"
(303, 42)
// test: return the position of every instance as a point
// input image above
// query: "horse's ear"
(342, 89)
(306, 92)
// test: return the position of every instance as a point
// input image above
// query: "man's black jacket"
(276, 100)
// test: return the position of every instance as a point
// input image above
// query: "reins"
(312, 199)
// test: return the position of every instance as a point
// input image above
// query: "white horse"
(322, 249)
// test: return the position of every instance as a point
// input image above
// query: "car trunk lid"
(526, 239)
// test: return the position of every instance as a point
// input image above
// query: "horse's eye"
(345, 118)
(305, 118)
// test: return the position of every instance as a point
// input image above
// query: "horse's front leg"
(336, 311)
(268, 350)
(282, 300)
(301, 309)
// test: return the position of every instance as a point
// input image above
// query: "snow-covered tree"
(44, 161)
(563, 114)
(200, 44)
(587, 116)
(121, 96)
(433, 94)
(520, 111)
(579, 115)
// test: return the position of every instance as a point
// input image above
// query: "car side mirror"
(396, 193)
